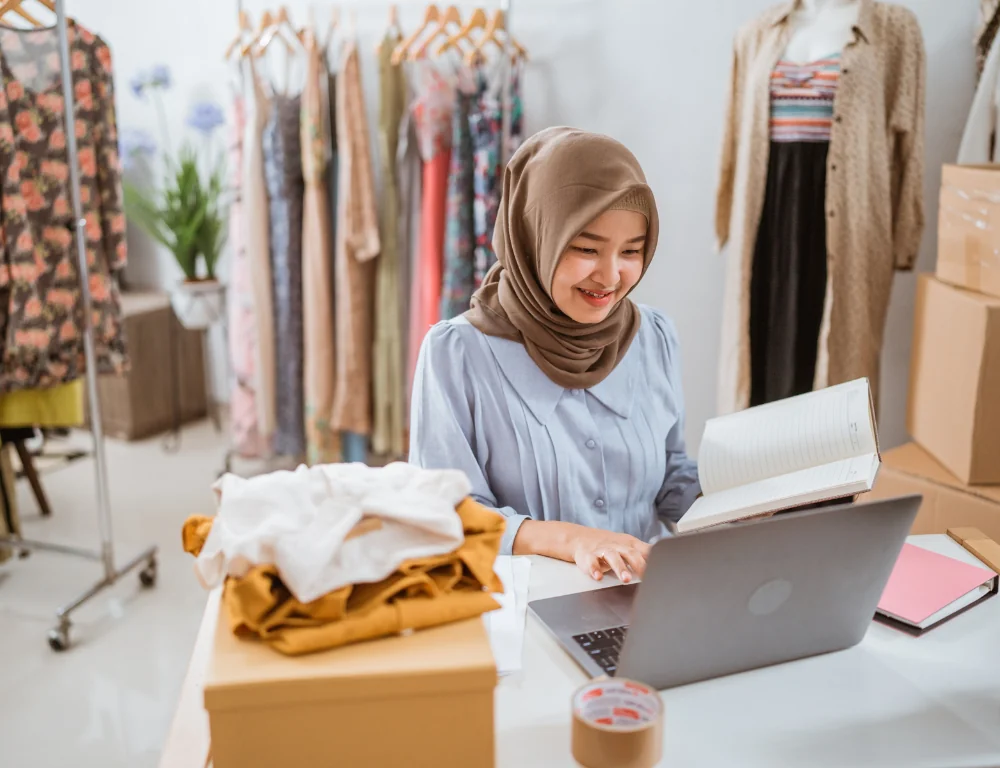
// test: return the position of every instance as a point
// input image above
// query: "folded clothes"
(420, 593)
(300, 523)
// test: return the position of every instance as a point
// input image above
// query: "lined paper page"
(776, 439)
(845, 477)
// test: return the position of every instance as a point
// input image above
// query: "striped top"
(802, 99)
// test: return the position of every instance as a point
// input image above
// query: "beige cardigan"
(874, 188)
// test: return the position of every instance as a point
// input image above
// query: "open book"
(814, 447)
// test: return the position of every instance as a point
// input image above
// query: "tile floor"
(108, 701)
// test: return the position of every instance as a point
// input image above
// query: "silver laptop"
(738, 597)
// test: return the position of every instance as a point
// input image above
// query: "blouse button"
(599, 503)
(839, 119)
(574, 391)
(591, 444)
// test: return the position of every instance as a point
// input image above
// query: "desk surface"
(893, 700)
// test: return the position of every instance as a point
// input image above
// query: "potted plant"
(185, 213)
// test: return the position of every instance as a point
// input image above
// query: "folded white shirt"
(299, 522)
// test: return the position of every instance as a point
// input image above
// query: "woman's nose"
(608, 270)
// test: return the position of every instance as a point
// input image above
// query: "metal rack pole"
(59, 635)
(507, 101)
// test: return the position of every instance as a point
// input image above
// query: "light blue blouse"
(610, 457)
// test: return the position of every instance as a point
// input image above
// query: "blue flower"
(205, 117)
(135, 143)
(159, 76)
(138, 84)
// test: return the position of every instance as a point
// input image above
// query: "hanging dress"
(240, 300)
(788, 281)
(257, 247)
(432, 113)
(486, 130)
(322, 442)
(389, 426)
(357, 246)
(283, 173)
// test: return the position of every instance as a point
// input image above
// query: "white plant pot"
(199, 305)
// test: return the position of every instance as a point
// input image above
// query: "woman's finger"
(613, 558)
(635, 561)
(590, 564)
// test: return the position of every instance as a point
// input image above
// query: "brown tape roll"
(617, 724)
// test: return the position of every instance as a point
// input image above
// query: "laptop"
(738, 597)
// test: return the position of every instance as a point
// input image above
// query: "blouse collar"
(542, 395)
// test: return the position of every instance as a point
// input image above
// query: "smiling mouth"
(596, 298)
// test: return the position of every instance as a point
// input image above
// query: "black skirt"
(788, 277)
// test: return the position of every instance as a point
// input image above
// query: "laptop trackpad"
(608, 607)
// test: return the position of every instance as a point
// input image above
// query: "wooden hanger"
(476, 21)
(497, 24)
(14, 6)
(451, 17)
(431, 15)
(281, 28)
(244, 26)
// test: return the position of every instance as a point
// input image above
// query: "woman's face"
(600, 266)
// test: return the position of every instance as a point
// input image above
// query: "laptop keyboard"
(603, 646)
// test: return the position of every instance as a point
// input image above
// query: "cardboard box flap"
(911, 460)
(451, 658)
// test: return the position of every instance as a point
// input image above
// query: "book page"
(844, 477)
(772, 440)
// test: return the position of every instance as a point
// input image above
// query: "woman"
(559, 397)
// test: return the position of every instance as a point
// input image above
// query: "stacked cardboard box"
(954, 403)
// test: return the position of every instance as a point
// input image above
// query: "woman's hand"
(595, 551)
(598, 552)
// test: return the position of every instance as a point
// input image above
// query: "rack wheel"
(147, 576)
(59, 638)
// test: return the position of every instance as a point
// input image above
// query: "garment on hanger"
(986, 30)
(874, 188)
(41, 306)
(486, 127)
(434, 98)
(357, 246)
(389, 426)
(979, 139)
(257, 245)
(788, 279)
(58, 406)
(409, 169)
(322, 441)
(459, 242)
(285, 190)
(242, 329)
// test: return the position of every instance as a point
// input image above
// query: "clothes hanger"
(244, 26)
(266, 19)
(497, 24)
(451, 17)
(14, 6)
(391, 27)
(476, 21)
(431, 15)
(281, 28)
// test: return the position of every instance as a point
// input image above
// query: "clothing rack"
(58, 637)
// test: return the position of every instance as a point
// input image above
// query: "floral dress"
(486, 127)
(41, 305)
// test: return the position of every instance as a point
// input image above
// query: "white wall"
(652, 74)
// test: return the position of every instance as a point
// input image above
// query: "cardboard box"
(948, 503)
(166, 359)
(969, 227)
(423, 699)
(954, 408)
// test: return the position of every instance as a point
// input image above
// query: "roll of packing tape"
(617, 724)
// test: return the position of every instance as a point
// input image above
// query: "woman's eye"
(586, 251)
(632, 252)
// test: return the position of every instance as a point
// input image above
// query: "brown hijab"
(559, 181)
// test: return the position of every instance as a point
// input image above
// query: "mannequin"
(821, 28)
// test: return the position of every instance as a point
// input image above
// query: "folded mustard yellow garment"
(423, 592)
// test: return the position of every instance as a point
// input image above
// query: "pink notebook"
(926, 588)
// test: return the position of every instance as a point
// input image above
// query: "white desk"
(894, 700)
